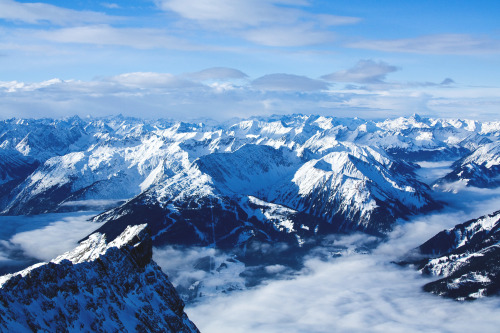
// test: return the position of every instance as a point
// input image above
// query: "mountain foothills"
(100, 286)
(242, 184)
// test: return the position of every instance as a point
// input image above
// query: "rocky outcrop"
(98, 287)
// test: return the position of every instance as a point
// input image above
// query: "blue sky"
(225, 58)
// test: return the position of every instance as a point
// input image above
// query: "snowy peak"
(95, 245)
(470, 236)
(116, 158)
(259, 193)
(105, 287)
(353, 187)
(350, 174)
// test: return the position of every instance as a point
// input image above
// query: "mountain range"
(241, 184)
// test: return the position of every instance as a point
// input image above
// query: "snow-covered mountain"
(262, 194)
(242, 185)
(100, 286)
(479, 169)
(104, 163)
(280, 178)
(466, 257)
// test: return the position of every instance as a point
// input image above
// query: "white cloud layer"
(187, 266)
(61, 234)
(222, 93)
(355, 293)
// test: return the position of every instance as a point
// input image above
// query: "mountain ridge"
(98, 286)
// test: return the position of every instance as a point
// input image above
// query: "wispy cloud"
(242, 13)
(371, 76)
(455, 44)
(365, 71)
(265, 22)
(148, 80)
(289, 82)
(139, 38)
(39, 41)
(41, 13)
(217, 73)
(110, 5)
(283, 36)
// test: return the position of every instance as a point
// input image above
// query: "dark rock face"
(466, 256)
(14, 168)
(226, 223)
(119, 290)
(42, 203)
(437, 154)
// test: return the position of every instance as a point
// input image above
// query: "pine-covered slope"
(99, 286)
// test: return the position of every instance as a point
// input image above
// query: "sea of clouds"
(25, 240)
(358, 292)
